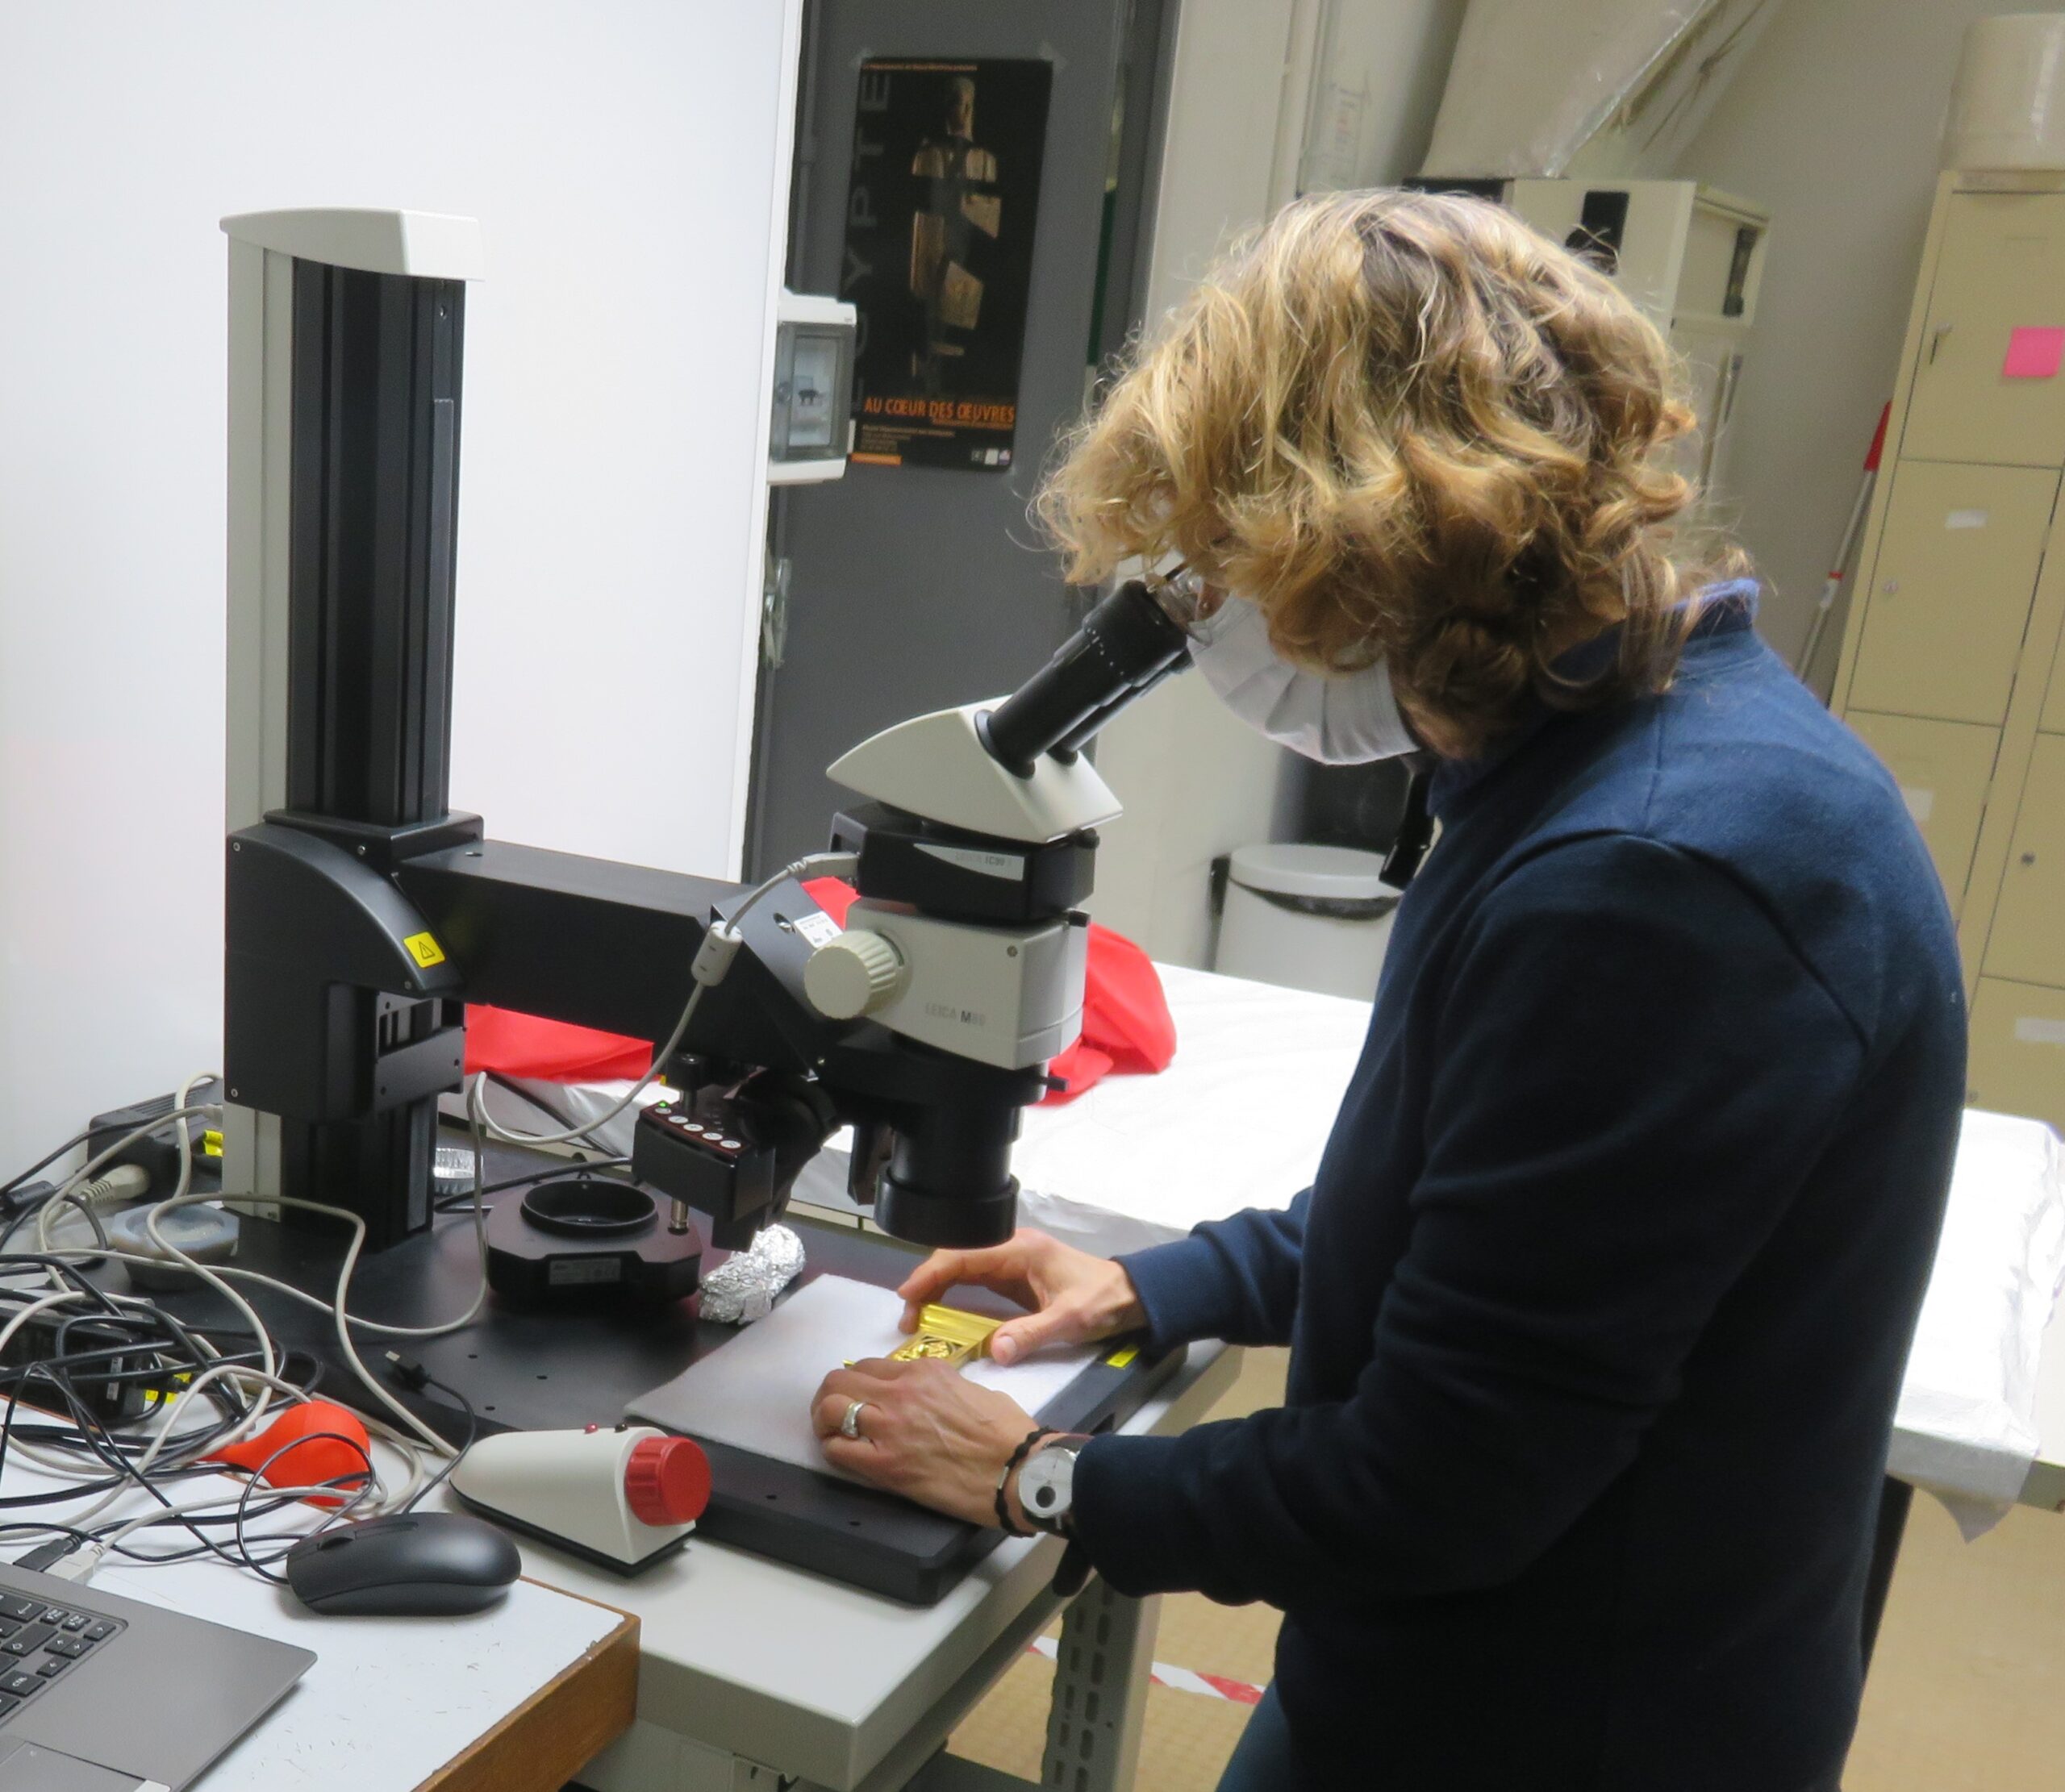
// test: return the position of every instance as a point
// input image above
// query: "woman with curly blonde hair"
(1599, 1300)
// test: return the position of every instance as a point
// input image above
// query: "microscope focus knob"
(854, 975)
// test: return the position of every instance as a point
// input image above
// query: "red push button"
(667, 1480)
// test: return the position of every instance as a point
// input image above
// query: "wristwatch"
(1046, 1486)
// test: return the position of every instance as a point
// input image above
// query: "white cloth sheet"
(1238, 1120)
(1967, 1426)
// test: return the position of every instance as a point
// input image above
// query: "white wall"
(629, 163)
(1349, 90)
(1834, 123)
(1195, 782)
(1376, 89)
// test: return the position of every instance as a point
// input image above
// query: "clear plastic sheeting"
(1604, 88)
(2007, 108)
(1966, 1428)
(742, 1288)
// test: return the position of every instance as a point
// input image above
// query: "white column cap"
(430, 245)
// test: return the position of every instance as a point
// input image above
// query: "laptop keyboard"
(40, 1643)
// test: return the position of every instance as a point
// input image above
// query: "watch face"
(1046, 1486)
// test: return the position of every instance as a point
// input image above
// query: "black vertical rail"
(372, 554)
(372, 543)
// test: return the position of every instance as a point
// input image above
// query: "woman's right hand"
(1072, 1297)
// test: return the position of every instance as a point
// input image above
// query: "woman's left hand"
(925, 1433)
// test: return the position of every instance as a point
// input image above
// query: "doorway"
(902, 589)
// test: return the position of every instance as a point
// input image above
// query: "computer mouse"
(413, 1564)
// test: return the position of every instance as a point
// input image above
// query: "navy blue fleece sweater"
(1598, 1306)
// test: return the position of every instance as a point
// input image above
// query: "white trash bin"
(1308, 917)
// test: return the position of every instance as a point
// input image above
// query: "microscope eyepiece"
(1127, 644)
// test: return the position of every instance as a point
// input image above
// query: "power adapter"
(156, 1153)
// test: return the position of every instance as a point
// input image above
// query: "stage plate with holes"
(544, 1371)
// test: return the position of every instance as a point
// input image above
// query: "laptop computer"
(101, 1693)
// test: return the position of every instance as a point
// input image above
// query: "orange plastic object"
(335, 1448)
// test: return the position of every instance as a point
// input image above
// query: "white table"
(2046, 1484)
(752, 1671)
(390, 1704)
(1126, 1165)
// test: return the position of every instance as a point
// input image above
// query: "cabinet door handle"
(1936, 340)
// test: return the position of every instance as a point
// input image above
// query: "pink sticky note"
(2035, 352)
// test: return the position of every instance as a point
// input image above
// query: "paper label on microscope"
(817, 927)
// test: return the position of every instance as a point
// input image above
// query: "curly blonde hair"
(1407, 427)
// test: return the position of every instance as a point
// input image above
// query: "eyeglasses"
(1185, 595)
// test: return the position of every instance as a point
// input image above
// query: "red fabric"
(1127, 1027)
(549, 1050)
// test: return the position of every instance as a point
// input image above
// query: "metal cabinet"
(1943, 769)
(2027, 941)
(2001, 268)
(2018, 1064)
(1952, 591)
(1953, 651)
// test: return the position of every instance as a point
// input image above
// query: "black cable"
(188, 1355)
(148, 1483)
(138, 1324)
(65, 1270)
(77, 1539)
(84, 1209)
(282, 1503)
(158, 1348)
(109, 1349)
(125, 1474)
(451, 1462)
(21, 1217)
(364, 1480)
(73, 1143)
(92, 1437)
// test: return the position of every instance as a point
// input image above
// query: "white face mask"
(1346, 720)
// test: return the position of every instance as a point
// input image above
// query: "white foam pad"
(754, 1391)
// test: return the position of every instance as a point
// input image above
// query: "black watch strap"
(1011, 1468)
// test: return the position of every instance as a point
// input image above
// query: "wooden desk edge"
(562, 1727)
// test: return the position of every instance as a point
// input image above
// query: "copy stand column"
(345, 333)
